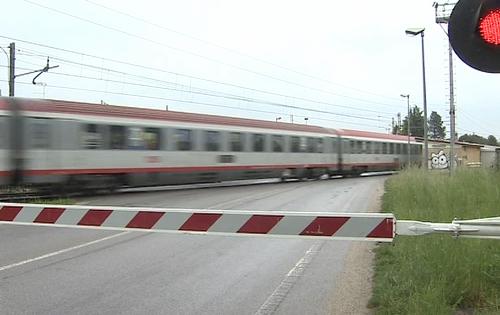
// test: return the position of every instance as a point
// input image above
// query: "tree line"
(436, 130)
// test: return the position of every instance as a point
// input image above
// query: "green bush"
(437, 274)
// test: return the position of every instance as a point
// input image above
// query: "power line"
(234, 51)
(213, 95)
(193, 102)
(232, 95)
(184, 75)
(183, 50)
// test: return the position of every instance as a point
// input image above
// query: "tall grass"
(437, 274)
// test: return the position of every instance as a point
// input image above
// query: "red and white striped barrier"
(378, 227)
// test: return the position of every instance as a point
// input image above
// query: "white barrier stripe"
(358, 227)
(119, 218)
(229, 223)
(71, 216)
(375, 227)
(171, 221)
(291, 225)
(28, 214)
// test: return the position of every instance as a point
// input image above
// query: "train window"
(391, 148)
(212, 140)
(258, 142)
(295, 144)
(92, 136)
(352, 146)
(335, 145)
(359, 147)
(184, 139)
(278, 143)
(135, 138)
(151, 138)
(368, 147)
(319, 145)
(346, 147)
(384, 148)
(236, 141)
(311, 145)
(117, 137)
(398, 148)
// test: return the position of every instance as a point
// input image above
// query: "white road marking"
(62, 251)
(274, 300)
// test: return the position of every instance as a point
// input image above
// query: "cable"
(181, 74)
(238, 99)
(230, 49)
(232, 95)
(182, 50)
(193, 102)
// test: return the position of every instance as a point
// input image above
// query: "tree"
(436, 128)
(473, 138)
(492, 140)
(416, 123)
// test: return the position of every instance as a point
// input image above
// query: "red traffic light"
(489, 27)
(474, 33)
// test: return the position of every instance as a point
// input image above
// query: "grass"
(436, 274)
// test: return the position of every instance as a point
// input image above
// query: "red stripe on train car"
(145, 220)
(8, 213)
(324, 226)
(260, 224)
(49, 215)
(187, 169)
(95, 217)
(200, 222)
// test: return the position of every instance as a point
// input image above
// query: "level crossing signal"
(474, 33)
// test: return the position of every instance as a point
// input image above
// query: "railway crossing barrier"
(379, 227)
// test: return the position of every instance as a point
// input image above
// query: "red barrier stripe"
(384, 230)
(200, 222)
(9, 213)
(95, 217)
(260, 224)
(49, 215)
(145, 220)
(324, 226)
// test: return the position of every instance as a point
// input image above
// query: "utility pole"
(12, 68)
(452, 110)
(443, 12)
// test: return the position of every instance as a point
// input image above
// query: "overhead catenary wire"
(156, 69)
(197, 103)
(206, 92)
(184, 50)
(234, 51)
(238, 99)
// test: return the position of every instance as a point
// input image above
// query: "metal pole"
(426, 145)
(409, 129)
(12, 68)
(452, 110)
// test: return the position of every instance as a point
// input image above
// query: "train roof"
(90, 109)
(369, 134)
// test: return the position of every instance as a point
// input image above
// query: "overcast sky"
(341, 64)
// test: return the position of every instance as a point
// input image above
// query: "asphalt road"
(46, 270)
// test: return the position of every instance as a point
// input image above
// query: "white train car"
(363, 151)
(82, 144)
(79, 145)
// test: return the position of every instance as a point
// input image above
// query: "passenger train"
(80, 145)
